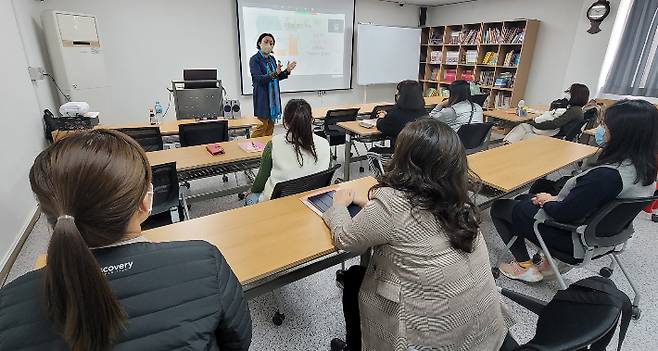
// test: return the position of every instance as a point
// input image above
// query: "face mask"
(150, 193)
(266, 49)
(599, 135)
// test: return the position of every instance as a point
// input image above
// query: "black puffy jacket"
(178, 296)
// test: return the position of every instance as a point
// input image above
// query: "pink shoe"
(512, 270)
(545, 268)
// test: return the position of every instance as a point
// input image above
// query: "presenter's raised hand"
(291, 66)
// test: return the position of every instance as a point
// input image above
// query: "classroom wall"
(23, 136)
(564, 51)
(148, 43)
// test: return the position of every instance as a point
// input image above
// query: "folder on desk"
(321, 202)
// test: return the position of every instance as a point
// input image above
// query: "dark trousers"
(516, 218)
(352, 283)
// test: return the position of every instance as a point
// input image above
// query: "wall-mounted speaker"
(232, 109)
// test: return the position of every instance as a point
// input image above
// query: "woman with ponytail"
(104, 286)
(428, 284)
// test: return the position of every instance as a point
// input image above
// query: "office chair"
(149, 138)
(376, 162)
(582, 317)
(475, 136)
(608, 228)
(479, 99)
(169, 203)
(203, 133)
(296, 186)
(49, 124)
(572, 130)
(333, 133)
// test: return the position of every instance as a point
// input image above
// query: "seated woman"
(562, 112)
(626, 167)
(459, 109)
(428, 284)
(409, 106)
(296, 153)
(104, 285)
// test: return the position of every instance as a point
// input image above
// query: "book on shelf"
(470, 37)
(450, 75)
(467, 75)
(436, 56)
(502, 100)
(487, 78)
(444, 92)
(492, 36)
(434, 75)
(490, 58)
(454, 38)
(431, 92)
(452, 57)
(512, 59)
(436, 38)
(513, 35)
(471, 57)
(505, 80)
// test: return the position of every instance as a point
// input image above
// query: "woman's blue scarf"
(273, 91)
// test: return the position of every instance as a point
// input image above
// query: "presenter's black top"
(260, 80)
(178, 296)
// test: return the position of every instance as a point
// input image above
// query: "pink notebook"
(252, 146)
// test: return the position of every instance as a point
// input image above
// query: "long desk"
(195, 162)
(367, 108)
(354, 131)
(509, 114)
(170, 127)
(511, 167)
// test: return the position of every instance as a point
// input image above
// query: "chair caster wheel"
(362, 169)
(636, 313)
(241, 196)
(337, 345)
(654, 218)
(605, 272)
(495, 272)
(225, 179)
(278, 318)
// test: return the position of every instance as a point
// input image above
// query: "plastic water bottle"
(158, 112)
(522, 109)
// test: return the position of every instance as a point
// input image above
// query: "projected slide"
(316, 34)
(314, 40)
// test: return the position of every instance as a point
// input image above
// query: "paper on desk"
(252, 146)
(368, 123)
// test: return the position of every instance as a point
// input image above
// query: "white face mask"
(150, 194)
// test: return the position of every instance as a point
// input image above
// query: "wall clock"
(596, 14)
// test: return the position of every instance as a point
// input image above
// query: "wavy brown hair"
(89, 185)
(429, 166)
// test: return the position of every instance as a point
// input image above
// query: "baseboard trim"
(4, 273)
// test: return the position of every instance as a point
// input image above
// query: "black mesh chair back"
(572, 130)
(49, 124)
(613, 224)
(475, 135)
(591, 116)
(378, 108)
(165, 187)
(203, 133)
(333, 133)
(479, 99)
(307, 183)
(148, 137)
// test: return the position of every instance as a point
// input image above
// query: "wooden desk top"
(257, 245)
(354, 128)
(193, 157)
(433, 100)
(509, 114)
(510, 167)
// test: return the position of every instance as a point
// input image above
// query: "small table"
(354, 130)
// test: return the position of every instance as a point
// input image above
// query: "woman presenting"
(266, 73)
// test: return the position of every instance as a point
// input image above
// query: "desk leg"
(348, 157)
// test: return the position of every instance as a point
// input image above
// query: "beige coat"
(418, 292)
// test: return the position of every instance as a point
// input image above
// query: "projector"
(72, 109)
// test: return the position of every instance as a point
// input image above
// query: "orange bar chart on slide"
(292, 46)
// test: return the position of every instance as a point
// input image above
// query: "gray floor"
(313, 308)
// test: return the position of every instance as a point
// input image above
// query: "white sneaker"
(545, 268)
(512, 270)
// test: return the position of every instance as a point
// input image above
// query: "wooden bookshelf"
(453, 44)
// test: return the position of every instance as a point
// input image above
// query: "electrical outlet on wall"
(36, 73)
